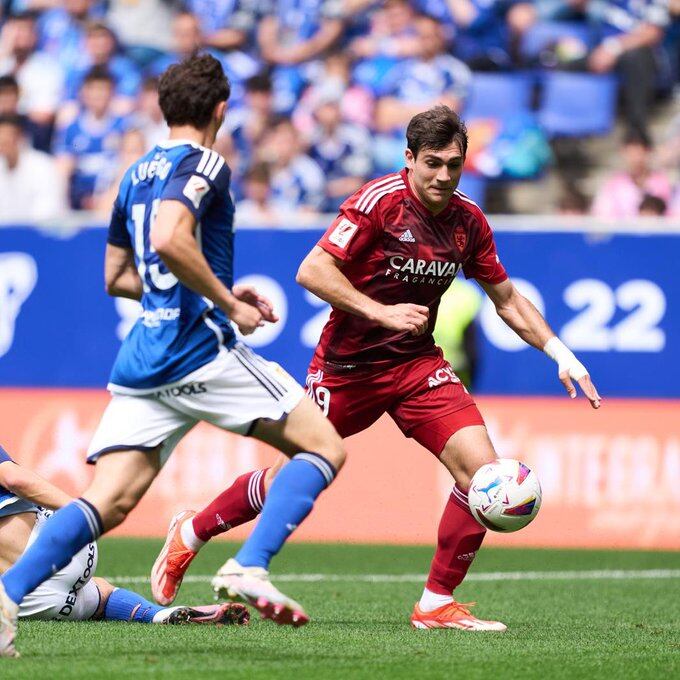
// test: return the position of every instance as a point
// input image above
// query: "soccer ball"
(504, 495)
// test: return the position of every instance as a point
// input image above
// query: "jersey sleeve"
(484, 264)
(118, 233)
(201, 177)
(4, 456)
(351, 233)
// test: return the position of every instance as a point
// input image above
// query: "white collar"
(171, 143)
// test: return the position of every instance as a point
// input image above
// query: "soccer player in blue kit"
(170, 245)
(75, 593)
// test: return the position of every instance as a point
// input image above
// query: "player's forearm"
(126, 285)
(332, 286)
(33, 488)
(184, 259)
(521, 315)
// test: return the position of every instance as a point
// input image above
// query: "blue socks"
(64, 534)
(124, 605)
(290, 499)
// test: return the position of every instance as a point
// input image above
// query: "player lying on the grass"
(75, 593)
(171, 245)
(383, 265)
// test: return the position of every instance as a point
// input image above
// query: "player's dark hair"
(99, 73)
(9, 82)
(436, 129)
(189, 92)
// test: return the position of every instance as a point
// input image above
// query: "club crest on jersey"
(196, 189)
(343, 233)
(460, 238)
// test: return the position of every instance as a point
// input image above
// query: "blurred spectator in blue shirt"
(630, 30)
(101, 49)
(258, 205)
(391, 38)
(357, 102)
(483, 31)
(62, 30)
(143, 26)
(226, 24)
(296, 179)
(147, 118)
(292, 33)
(132, 146)
(187, 38)
(342, 150)
(421, 83)
(39, 76)
(87, 147)
(245, 127)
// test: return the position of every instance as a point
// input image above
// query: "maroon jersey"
(395, 250)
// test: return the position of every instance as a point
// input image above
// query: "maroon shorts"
(423, 396)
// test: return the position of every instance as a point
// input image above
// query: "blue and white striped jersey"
(179, 331)
(10, 503)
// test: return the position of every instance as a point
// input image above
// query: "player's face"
(435, 174)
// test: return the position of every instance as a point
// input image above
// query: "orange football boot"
(172, 562)
(453, 615)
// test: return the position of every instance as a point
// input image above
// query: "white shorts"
(232, 392)
(70, 595)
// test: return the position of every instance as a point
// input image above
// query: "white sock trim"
(430, 601)
(189, 538)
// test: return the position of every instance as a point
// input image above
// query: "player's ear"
(410, 159)
(219, 112)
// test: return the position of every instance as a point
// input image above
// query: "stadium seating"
(577, 104)
(545, 34)
(499, 94)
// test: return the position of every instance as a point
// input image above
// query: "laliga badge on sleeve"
(195, 190)
(343, 233)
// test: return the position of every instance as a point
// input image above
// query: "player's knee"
(333, 449)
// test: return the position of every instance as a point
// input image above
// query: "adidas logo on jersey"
(407, 237)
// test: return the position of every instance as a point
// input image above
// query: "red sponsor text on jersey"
(395, 250)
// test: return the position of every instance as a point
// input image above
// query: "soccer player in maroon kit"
(383, 265)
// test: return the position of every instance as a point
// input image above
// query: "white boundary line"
(491, 576)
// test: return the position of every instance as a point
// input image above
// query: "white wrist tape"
(566, 361)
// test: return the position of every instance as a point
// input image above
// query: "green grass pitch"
(566, 627)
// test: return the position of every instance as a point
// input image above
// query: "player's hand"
(246, 317)
(405, 317)
(584, 382)
(249, 295)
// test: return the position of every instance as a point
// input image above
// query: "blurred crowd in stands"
(322, 91)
